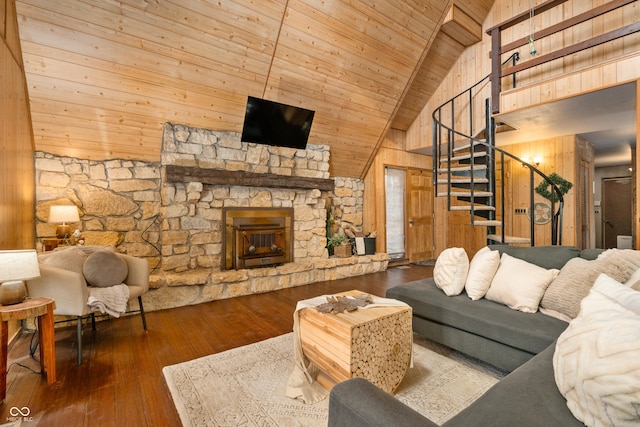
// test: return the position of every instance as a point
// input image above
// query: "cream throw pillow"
(596, 362)
(630, 255)
(450, 271)
(576, 278)
(70, 258)
(519, 284)
(482, 269)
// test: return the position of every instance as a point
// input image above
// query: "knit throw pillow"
(597, 358)
(576, 279)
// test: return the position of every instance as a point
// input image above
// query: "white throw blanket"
(302, 384)
(111, 300)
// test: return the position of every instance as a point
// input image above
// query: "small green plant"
(337, 240)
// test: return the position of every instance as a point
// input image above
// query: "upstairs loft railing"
(497, 49)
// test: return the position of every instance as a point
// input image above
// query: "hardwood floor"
(120, 381)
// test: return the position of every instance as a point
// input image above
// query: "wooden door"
(616, 210)
(419, 215)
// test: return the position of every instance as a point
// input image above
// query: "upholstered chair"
(65, 282)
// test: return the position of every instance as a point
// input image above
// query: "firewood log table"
(372, 343)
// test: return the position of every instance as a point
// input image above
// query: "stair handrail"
(438, 126)
(557, 216)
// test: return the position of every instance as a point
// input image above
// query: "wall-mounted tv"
(273, 123)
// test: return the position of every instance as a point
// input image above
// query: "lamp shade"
(19, 265)
(60, 214)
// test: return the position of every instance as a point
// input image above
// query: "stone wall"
(191, 233)
(177, 226)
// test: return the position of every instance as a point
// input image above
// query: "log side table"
(42, 308)
(372, 343)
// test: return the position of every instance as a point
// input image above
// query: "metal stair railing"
(440, 128)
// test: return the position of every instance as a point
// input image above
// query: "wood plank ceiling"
(104, 75)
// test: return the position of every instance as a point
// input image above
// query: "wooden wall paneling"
(560, 155)
(195, 63)
(16, 145)
(393, 154)
(461, 234)
(3, 20)
(573, 75)
(10, 30)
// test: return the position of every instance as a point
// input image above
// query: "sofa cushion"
(519, 284)
(590, 254)
(105, 268)
(597, 359)
(482, 269)
(544, 256)
(527, 396)
(576, 278)
(450, 271)
(531, 332)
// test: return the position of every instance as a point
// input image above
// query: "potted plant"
(340, 245)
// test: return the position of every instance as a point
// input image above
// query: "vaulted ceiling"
(104, 75)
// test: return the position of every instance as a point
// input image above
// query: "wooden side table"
(42, 308)
(372, 343)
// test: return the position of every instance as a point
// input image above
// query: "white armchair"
(70, 292)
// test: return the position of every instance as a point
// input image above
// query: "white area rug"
(245, 386)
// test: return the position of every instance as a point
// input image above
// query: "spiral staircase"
(468, 169)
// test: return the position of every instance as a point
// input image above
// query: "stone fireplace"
(256, 237)
(175, 213)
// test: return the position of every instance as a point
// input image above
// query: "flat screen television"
(273, 123)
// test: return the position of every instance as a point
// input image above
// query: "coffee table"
(373, 343)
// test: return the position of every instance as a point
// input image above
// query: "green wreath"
(544, 189)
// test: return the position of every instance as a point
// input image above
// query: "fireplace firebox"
(257, 237)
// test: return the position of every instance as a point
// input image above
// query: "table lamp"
(16, 266)
(62, 214)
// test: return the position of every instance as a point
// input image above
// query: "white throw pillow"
(519, 284)
(450, 272)
(482, 269)
(596, 362)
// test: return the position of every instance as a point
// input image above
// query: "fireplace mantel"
(175, 173)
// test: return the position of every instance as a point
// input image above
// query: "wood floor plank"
(120, 381)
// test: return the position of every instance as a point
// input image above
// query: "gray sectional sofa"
(509, 339)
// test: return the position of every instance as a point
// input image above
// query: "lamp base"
(12, 292)
(63, 231)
